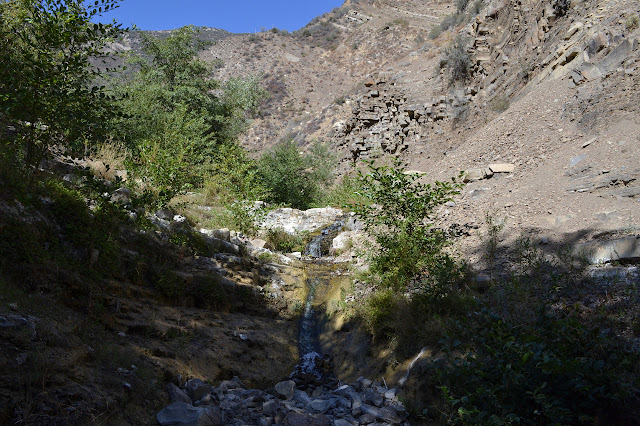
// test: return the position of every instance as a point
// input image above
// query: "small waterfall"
(404, 378)
(318, 246)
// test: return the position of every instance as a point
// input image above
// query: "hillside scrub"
(505, 356)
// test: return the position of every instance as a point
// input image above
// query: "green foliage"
(400, 215)
(553, 371)
(47, 90)
(280, 240)
(631, 23)
(343, 193)
(378, 313)
(457, 60)
(295, 179)
(178, 129)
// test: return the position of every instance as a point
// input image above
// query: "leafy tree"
(399, 212)
(292, 178)
(180, 124)
(47, 91)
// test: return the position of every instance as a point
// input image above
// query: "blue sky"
(231, 15)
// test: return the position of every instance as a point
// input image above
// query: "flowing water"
(312, 361)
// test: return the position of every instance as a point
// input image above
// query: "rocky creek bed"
(311, 395)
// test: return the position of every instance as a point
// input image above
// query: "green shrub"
(40, 42)
(209, 292)
(280, 240)
(399, 213)
(631, 22)
(378, 313)
(476, 7)
(295, 179)
(457, 60)
(549, 372)
(461, 5)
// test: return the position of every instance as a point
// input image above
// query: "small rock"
(121, 195)
(122, 334)
(164, 214)
(502, 168)
(373, 397)
(477, 174)
(321, 405)
(299, 419)
(589, 142)
(269, 407)
(577, 159)
(196, 389)
(391, 393)
(286, 388)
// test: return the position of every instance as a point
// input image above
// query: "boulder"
(616, 56)
(286, 389)
(178, 395)
(477, 174)
(197, 389)
(121, 196)
(502, 168)
(621, 249)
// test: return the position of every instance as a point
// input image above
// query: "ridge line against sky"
(234, 16)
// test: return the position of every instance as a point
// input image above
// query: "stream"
(313, 365)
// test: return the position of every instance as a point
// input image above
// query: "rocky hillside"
(550, 92)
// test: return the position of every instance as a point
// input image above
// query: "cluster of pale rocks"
(230, 403)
